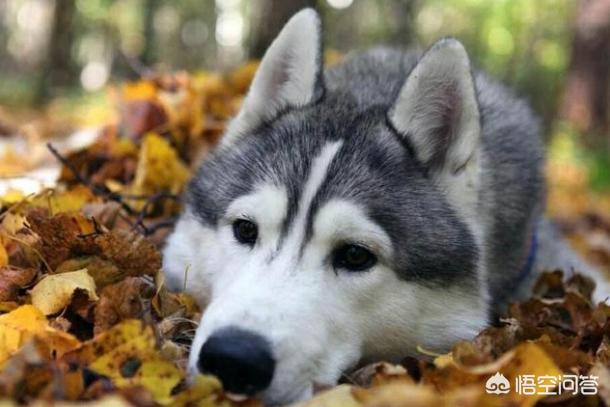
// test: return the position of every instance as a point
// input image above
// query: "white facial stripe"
(343, 221)
(319, 170)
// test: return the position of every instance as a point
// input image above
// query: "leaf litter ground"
(85, 316)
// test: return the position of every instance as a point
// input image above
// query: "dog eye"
(245, 231)
(353, 257)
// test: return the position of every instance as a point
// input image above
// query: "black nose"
(242, 360)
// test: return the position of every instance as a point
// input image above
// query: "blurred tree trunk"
(268, 18)
(57, 68)
(148, 53)
(400, 14)
(585, 98)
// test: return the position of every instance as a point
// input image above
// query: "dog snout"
(241, 359)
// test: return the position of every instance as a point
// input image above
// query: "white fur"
(181, 256)
(318, 174)
(286, 76)
(319, 321)
(188, 254)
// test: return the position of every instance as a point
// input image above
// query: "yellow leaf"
(66, 201)
(20, 325)
(54, 292)
(17, 327)
(110, 339)
(141, 90)
(528, 359)
(209, 83)
(159, 168)
(241, 78)
(129, 367)
(12, 197)
(3, 255)
(444, 360)
(107, 401)
(202, 389)
(127, 354)
(124, 147)
(12, 223)
(525, 359)
(340, 396)
(395, 395)
(7, 306)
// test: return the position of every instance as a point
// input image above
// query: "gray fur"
(434, 167)
(377, 168)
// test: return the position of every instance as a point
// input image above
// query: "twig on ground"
(97, 190)
(103, 192)
(150, 202)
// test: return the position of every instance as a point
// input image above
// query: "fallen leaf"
(8, 306)
(204, 391)
(378, 374)
(58, 235)
(391, 395)
(139, 90)
(127, 354)
(25, 322)
(142, 116)
(132, 253)
(103, 271)
(17, 327)
(3, 255)
(71, 237)
(120, 301)
(65, 201)
(339, 396)
(12, 279)
(12, 222)
(603, 374)
(54, 292)
(159, 168)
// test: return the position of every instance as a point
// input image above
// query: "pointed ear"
(437, 110)
(289, 75)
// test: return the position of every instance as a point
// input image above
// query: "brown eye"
(353, 257)
(245, 231)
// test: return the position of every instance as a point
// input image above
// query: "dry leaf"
(159, 168)
(54, 292)
(127, 354)
(339, 396)
(3, 255)
(12, 279)
(120, 301)
(12, 222)
(25, 322)
(17, 327)
(66, 201)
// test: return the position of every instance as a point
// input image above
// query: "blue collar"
(528, 266)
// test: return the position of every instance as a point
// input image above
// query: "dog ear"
(437, 110)
(438, 115)
(289, 75)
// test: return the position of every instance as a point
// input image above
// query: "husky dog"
(354, 213)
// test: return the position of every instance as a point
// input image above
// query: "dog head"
(327, 229)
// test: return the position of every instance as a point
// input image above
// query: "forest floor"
(85, 316)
